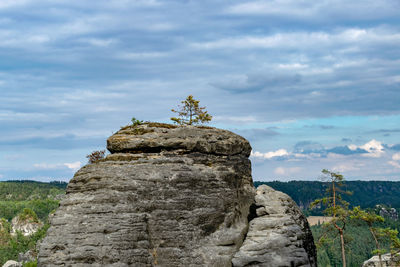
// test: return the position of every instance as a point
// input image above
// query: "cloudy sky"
(311, 84)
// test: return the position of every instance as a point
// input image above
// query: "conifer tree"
(371, 218)
(191, 113)
(336, 207)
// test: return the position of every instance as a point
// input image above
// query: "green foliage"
(20, 244)
(42, 208)
(25, 190)
(136, 122)
(335, 207)
(360, 245)
(366, 194)
(16, 200)
(30, 264)
(191, 113)
(28, 215)
(358, 238)
(96, 156)
(393, 236)
(370, 218)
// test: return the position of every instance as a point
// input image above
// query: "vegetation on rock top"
(191, 113)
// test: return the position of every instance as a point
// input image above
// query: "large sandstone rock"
(166, 196)
(279, 234)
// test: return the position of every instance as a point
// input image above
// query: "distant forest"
(366, 194)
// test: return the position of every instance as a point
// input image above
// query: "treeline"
(29, 190)
(365, 194)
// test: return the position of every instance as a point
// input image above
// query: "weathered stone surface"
(12, 264)
(166, 196)
(278, 234)
(387, 261)
(26, 256)
(156, 137)
(185, 205)
(26, 227)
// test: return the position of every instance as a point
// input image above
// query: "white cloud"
(396, 156)
(346, 166)
(317, 10)
(306, 39)
(394, 164)
(287, 171)
(293, 66)
(74, 165)
(374, 148)
(12, 3)
(143, 55)
(99, 42)
(235, 119)
(270, 8)
(46, 166)
(14, 157)
(271, 154)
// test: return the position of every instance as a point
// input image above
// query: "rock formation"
(387, 261)
(167, 196)
(278, 234)
(12, 263)
(27, 226)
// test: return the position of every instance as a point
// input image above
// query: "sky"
(311, 84)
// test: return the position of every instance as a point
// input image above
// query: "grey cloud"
(65, 142)
(322, 127)
(256, 82)
(385, 131)
(307, 147)
(70, 67)
(345, 150)
(394, 147)
(257, 134)
(310, 147)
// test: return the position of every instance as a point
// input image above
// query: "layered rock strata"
(278, 235)
(165, 196)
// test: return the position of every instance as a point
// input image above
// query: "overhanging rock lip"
(157, 137)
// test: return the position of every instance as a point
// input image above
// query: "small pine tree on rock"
(95, 156)
(191, 113)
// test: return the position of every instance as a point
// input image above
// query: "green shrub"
(136, 122)
(30, 264)
(28, 215)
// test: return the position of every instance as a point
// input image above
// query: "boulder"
(12, 264)
(165, 196)
(26, 227)
(387, 261)
(278, 235)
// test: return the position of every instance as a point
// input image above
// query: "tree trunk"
(343, 251)
(377, 246)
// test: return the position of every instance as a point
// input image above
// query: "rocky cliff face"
(166, 196)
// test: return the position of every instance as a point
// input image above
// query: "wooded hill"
(28, 190)
(366, 194)
(17, 197)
